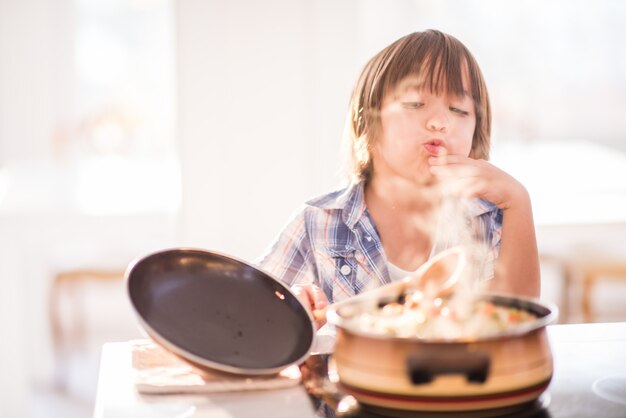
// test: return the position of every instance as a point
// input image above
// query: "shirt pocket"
(342, 267)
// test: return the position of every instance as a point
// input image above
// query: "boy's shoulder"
(342, 198)
(326, 201)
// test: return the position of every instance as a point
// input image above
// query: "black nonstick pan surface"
(218, 312)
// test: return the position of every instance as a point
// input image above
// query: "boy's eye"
(459, 111)
(412, 105)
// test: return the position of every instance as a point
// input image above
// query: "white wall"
(35, 61)
(43, 229)
(263, 94)
(35, 75)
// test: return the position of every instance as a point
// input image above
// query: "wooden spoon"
(441, 273)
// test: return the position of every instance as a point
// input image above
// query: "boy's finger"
(303, 296)
(319, 314)
(319, 298)
(447, 159)
(454, 171)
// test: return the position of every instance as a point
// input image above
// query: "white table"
(117, 397)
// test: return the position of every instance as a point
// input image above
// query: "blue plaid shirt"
(333, 243)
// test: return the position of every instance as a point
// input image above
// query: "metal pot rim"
(549, 314)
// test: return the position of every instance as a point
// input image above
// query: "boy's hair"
(437, 59)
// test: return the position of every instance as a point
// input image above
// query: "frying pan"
(218, 312)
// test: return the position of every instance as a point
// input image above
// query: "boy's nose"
(437, 119)
(437, 123)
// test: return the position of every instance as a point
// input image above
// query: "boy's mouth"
(434, 147)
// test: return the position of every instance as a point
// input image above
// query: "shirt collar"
(351, 201)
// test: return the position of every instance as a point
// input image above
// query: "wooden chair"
(69, 332)
(591, 273)
(585, 273)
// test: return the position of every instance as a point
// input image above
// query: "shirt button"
(345, 269)
(468, 222)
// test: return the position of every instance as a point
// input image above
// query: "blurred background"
(128, 126)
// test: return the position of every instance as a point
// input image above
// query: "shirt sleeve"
(495, 225)
(289, 258)
(492, 226)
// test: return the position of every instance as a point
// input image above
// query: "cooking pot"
(219, 313)
(498, 371)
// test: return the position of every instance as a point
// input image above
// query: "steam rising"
(457, 228)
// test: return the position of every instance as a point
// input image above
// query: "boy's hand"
(467, 177)
(313, 299)
(517, 266)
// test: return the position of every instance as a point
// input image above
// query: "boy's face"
(416, 124)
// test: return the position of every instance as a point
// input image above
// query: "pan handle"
(424, 365)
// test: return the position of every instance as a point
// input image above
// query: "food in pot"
(416, 316)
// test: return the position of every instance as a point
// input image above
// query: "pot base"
(507, 400)
(525, 410)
